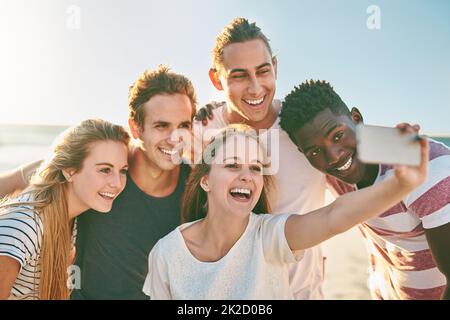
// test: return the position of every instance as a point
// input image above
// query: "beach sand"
(346, 268)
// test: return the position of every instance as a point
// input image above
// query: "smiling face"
(163, 114)
(247, 76)
(235, 181)
(329, 144)
(101, 178)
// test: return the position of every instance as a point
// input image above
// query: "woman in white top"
(231, 252)
(86, 170)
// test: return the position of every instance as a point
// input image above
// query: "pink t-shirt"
(401, 263)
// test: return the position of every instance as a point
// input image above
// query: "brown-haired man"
(112, 249)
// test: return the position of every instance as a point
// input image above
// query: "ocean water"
(20, 144)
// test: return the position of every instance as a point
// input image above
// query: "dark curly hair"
(303, 104)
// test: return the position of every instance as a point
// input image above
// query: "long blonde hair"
(48, 198)
(195, 199)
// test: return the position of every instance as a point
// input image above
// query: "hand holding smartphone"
(386, 145)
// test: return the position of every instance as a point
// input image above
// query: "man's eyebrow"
(332, 128)
(265, 64)
(237, 70)
(185, 123)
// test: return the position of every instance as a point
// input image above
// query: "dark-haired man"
(408, 244)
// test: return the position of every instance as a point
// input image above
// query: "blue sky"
(54, 74)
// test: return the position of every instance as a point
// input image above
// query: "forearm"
(10, 182)
(17, 179)
(356, 207)
(305, 231)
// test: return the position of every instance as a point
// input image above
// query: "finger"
(210, 111)
(424, 154)
(406, 128)
(198, 115)
(402, 126)
(202, 114)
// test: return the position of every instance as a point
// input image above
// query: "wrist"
(402, 186)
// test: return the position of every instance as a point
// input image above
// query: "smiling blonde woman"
(86, 170)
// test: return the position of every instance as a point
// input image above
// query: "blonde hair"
(194, 203)
(48, 198)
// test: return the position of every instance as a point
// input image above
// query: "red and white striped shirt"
(402, 265)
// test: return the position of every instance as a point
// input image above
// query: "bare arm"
(439, 242)
(305, 231)
(17, 179)
(9, 269)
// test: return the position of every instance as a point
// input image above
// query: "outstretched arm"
(305, 231)
(17, 179)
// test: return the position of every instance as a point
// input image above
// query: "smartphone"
(385, 145)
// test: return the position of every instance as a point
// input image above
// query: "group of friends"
(138, 224)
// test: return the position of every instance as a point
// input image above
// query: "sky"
(64, 61)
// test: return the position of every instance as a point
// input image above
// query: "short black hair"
(305, 101)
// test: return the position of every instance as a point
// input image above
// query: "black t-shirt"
(113, 248)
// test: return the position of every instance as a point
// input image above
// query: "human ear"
(135, 129)
(68, 174)
(204, 183)
(215, 80)
(356, 116)
(275, 66)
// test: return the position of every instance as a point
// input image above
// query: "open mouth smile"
(107, 195)
(254, 103)
(168, 152)
(346, 165)
(241, 194)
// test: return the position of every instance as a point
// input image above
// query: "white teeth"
(107, 194)
(239, 190)
(254, 102)
(168, 152)
(346, 165)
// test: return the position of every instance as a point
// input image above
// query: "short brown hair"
(154, 82)
(239, 30)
